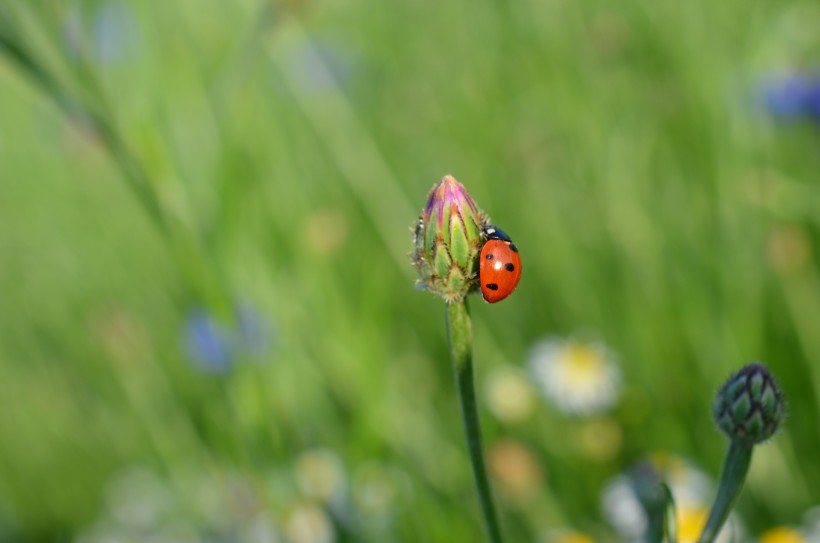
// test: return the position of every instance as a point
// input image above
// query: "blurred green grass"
(292, 144)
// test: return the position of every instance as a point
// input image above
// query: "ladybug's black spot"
(513, 247)
(491, 286)
(509, 266)
(489, 256)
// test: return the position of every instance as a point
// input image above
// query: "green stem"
(670, 525)
(735, 467)
(654, 531)
(460, 331)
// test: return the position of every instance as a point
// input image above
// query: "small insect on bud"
(750, 406)
(447, 241)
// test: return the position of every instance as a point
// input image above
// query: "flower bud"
(750, 406)
(646, 479)
(447, 241)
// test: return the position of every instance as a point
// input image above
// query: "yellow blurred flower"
(320, 474)
(510, 396)
(516, 471)
(599, 439)
(306, 522)
(788, 249)
(567, 536)
(691, 520)
(782, 534)
(325, 232)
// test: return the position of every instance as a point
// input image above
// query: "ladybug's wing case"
(499, 270)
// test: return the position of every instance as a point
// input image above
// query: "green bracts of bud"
(750, 406)
(447, 241)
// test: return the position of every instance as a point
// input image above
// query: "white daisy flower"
(811, 520)
(622, 508)
(579, 377)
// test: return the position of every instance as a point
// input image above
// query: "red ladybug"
(500, 267)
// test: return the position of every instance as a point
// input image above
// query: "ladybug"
(500, 267)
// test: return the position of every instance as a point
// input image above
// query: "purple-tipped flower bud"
(750, 406)
(447, 241)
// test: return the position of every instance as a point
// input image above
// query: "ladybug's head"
(492, 232)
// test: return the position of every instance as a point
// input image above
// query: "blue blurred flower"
(111, 33)
(793, 97)
(208, 343)
(213, 346)
(115, 32)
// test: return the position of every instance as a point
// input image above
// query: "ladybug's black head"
(491, 232)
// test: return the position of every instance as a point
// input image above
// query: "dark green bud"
(447, 241)
(750, 406)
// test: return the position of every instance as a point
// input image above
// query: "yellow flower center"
(691, 520)
(782, 535)
(572, 537)
(583, 365)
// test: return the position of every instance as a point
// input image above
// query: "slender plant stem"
(103, 123)
(670, 524)
(655, 531)
(733, 474)
(460, 331)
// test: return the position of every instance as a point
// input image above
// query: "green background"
(290, 147)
